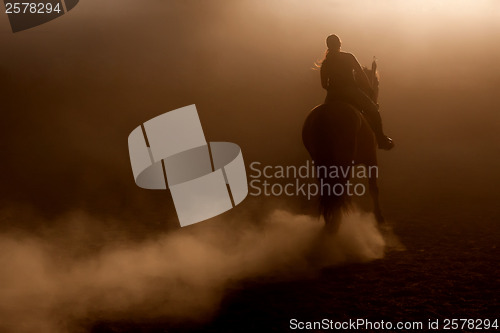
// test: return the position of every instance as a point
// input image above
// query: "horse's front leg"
(373, 185)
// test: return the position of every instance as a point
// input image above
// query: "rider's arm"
(324, 76)
(360, 74)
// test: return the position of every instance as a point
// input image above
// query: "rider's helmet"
(333, 42)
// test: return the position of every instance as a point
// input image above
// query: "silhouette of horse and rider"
(347, 128)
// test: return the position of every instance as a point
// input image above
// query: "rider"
(337, 77)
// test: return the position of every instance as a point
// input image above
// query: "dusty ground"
(449, 270)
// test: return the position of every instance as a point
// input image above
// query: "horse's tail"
(329, 134)
(334, 199)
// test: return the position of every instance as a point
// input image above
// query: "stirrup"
(385, 143)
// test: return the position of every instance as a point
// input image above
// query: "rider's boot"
(383, 141)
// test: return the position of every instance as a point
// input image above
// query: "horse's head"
(374, 79)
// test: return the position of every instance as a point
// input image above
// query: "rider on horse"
(337, 77)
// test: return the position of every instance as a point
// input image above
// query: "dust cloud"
(50, 285)
(93, 245)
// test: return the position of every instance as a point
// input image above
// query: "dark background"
(74, 88)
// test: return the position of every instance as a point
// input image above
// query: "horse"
(337, 134)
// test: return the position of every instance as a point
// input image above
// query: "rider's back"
(338, 69)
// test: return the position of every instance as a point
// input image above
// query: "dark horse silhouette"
(337, 134)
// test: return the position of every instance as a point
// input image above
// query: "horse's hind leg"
(332, 221)
(372, 182)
